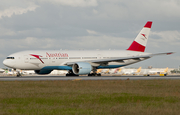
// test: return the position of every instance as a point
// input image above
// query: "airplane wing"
(123, 59)
(120, 59)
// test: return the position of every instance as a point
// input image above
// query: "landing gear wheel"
(89, 74)
(98, 74)
(94, 74)
(71, 74)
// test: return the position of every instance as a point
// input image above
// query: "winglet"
(139, 44)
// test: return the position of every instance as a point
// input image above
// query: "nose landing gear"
(18, 74)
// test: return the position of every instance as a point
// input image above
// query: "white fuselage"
(82, 62)
(29, 60)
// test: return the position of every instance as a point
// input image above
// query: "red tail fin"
(139, 44)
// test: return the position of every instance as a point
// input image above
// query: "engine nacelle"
(81, 68)
(41, 72)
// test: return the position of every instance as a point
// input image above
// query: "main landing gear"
(94, 73)
(70, 73)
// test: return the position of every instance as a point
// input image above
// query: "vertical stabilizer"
(166, 70)
(139, 44)
(138, 70)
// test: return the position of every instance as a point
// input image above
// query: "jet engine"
(41, 72)
(81, 68)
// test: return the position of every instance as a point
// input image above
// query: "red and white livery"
(82, 62)
(139, 44)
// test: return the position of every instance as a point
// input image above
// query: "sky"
(90, 25)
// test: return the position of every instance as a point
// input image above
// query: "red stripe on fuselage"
(38, 57)
(136, 47)
(148, 24)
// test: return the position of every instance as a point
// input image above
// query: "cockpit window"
(10, 58)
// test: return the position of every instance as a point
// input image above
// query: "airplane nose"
(5, 62)
(8, 63)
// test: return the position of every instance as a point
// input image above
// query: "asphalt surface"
(39, 78)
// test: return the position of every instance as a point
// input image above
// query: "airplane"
(82, 62)
(119, 71)
(164, 73)
(107, 71)
(116, 70)
(130, 71)
(2, 70)
(155, 72)
(137, 71)
(10, 72)
(98, 71)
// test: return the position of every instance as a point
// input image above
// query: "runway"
(42, 78)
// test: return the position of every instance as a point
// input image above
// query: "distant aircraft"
(11, 72)
(107, 71)
(166, 70)
(137, 71)
(110, 71)
(155, 72)
(82, 62)
(2, 70)
(116, 70)
(131, 71)
(98, 72)
(120, 69)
